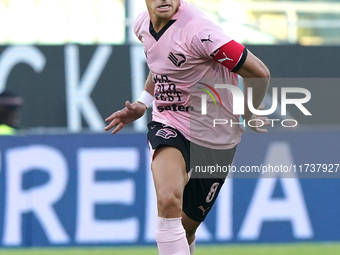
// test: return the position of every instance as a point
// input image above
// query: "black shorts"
(201, 191)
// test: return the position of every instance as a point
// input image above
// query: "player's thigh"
(169, 172)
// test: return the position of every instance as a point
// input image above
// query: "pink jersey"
(180, 60)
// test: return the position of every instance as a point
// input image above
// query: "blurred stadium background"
(66, 187)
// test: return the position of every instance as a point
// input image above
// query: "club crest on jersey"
(177, 59)
(166, 133)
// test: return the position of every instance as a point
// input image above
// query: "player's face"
(162, 9)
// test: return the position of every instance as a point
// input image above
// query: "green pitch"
(284, 249)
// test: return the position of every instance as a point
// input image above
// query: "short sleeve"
(207, 41)
(137, 27)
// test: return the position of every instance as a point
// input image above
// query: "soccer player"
(187, 53)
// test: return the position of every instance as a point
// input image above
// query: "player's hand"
(129, 114)
(257, 122)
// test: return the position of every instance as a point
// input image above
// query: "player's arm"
(132, 111)
(255, 74)
(149, 88)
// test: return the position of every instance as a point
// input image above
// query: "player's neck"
(158, 24)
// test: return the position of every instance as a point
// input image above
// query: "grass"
(269, 249)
